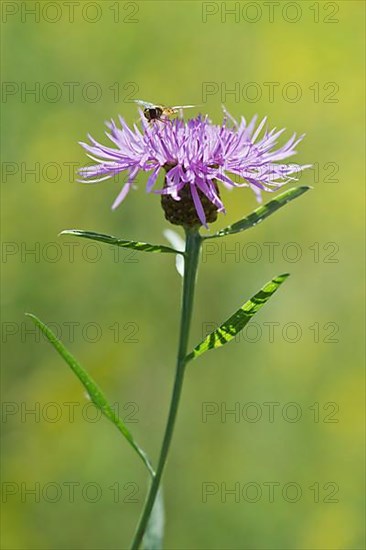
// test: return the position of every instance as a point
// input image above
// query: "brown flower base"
(183, 212)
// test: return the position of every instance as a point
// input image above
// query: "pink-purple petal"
(198, 152)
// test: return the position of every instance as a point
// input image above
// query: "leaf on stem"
(176, 240)
(95, 393)
(261, 213)
(109, 239)
(232, 326)
(153, 537)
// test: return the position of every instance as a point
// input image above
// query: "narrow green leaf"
(95, 393)
(232, 326)
(261, 213)
(154, 535)
(109, 239)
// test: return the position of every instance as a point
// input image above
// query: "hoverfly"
(162, 113)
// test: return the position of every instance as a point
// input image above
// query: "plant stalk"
(192, 249)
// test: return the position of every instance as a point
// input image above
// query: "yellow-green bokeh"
(168, 55)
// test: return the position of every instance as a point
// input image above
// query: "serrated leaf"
(153, 537)
(261, 213)
(109, 239)
(93, 390)
(230, 328)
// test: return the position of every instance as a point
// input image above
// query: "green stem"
(193, 244)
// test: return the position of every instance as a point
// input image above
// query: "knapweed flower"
(196, 155)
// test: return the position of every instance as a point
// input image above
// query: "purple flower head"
(195, 155)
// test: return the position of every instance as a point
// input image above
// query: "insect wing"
(177, 107)
(145, 104)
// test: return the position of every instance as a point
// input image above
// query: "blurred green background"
(125, 310)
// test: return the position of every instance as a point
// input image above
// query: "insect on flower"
(196, 157)
(162, 113)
